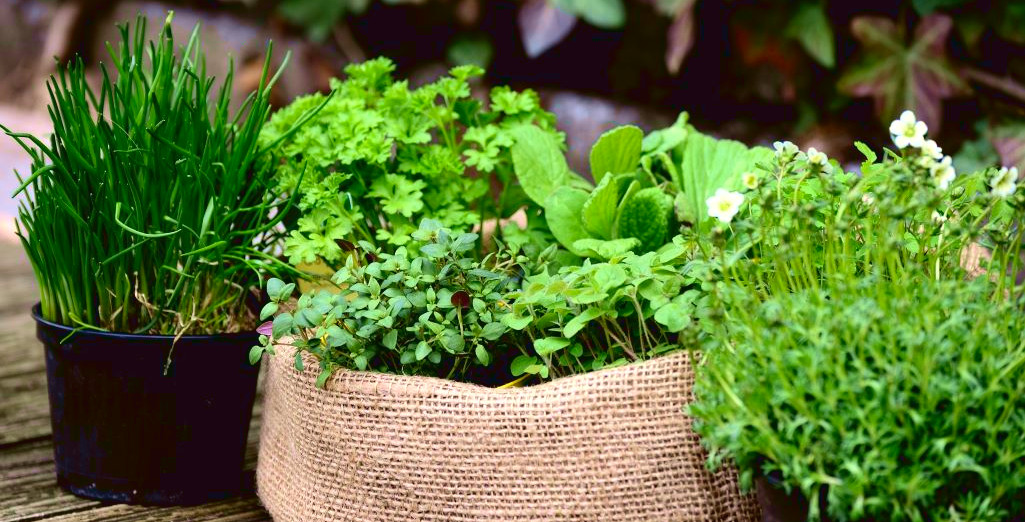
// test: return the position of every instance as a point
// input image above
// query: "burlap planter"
(614, 445)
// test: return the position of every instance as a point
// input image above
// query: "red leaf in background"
(1009, 141)
(543, 25)
(901, 75)
(265, 328)
(680, 37)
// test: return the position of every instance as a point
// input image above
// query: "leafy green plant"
(602, 315)
(645, 185)
(907, 215)
(849, 343)
(379, 157)
(148, 210)
(897, 399)
(437, 312)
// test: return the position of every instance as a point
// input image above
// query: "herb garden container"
(613, 445)
(125, 429)
(778, 505)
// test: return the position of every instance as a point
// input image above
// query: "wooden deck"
(28, 488)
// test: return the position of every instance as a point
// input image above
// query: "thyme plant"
(859, 347)
(430, 309)
(147, 210)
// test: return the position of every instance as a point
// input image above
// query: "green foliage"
(850, 346)
(149, 211)
(701, 164)
(318, 17)
(607, 14)
(616, 152)
(810, 26)
(434, 313)
(641, 180)
(602, 315)
(379, 157)
(646, 216)
(902, 399)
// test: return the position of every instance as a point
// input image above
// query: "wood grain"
(28, 486)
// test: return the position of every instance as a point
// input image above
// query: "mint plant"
(380, 156)
(433, 311)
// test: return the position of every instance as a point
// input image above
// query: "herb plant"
(435, 312)
(857, 336)
(897, 399)
(645, 186)
(805, 221)
(380, 157)
(147, 211)
(606, 314)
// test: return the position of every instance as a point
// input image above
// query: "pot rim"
(37, 315)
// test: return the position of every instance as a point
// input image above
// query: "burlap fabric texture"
(614, 445)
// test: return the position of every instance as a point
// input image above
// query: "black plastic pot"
(780, 506)
(124, 430)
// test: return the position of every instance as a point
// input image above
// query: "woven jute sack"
(613, 445)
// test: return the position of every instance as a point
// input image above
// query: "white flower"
(724, 205)
(938, 218)
(1005, 182)
(750, 180)
(942, 173)
(868, 199)
(819, 158)
(785, 151)
(931, 150)
(907, 131)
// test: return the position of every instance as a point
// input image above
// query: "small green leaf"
(255, 354)
(870, 156)
(605, 249)
(422, 351)
(493, 331)
(268, 310)
(274, 288)
(516, 322)
(390, 339)
(550, 345)
(361, 362)
(810, 26)
(282, 325)
(617, 151)
(605, 14)
(674, 317)
(579, 322)
(521, 363)
(322, 378)
(482, 355)
(299, 361)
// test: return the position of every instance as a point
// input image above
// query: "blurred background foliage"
(818, 72)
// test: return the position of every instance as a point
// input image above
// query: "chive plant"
(150, 210)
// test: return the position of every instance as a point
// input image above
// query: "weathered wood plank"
(29, 492)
